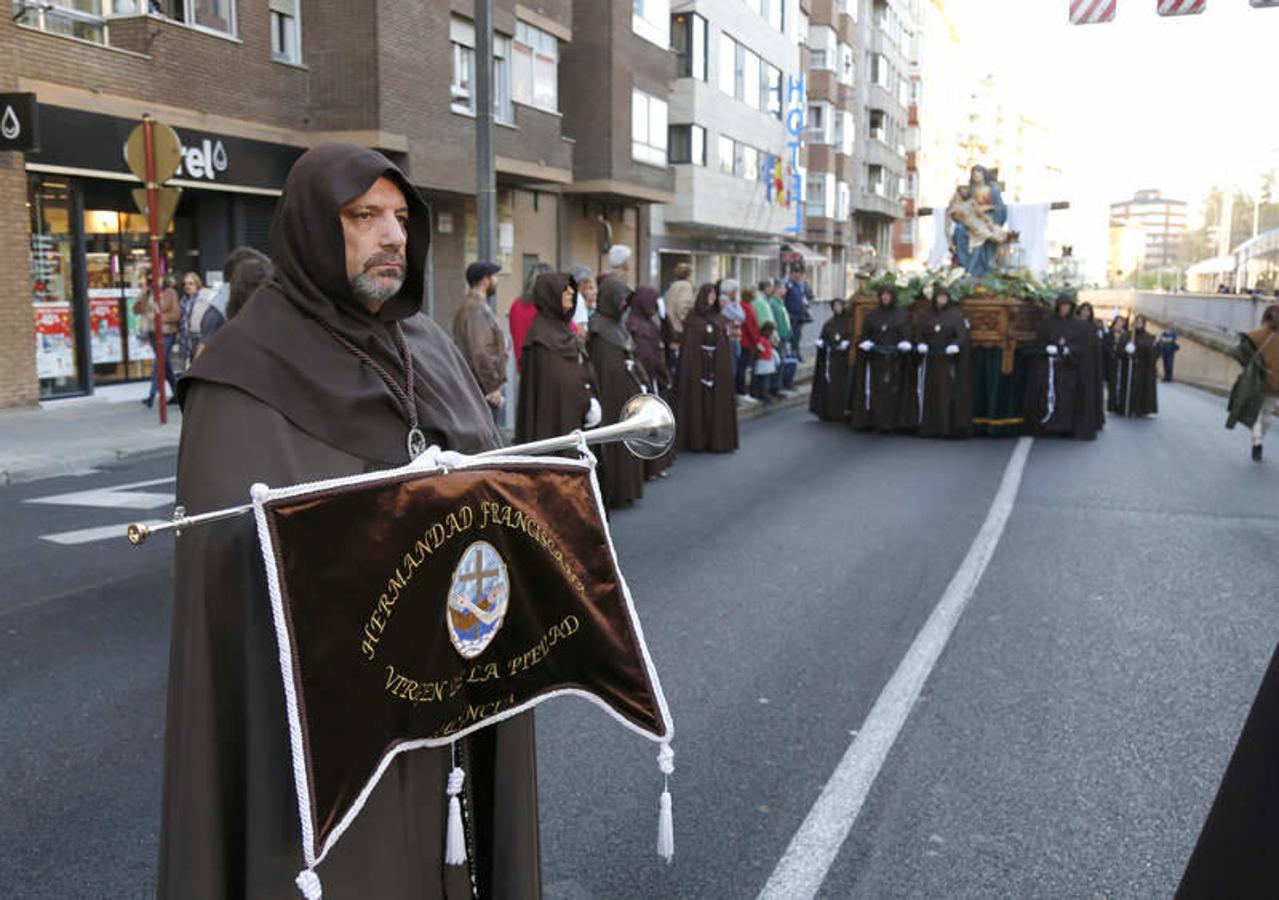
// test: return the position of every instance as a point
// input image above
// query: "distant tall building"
(1162, 220)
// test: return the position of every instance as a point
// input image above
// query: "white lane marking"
(89, 535)
(813, 849)
(120, 496)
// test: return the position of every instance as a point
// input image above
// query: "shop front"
(89, 250)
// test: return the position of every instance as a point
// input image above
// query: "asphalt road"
(1067, 743)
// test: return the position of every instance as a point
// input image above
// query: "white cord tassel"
(455, 841)
(665, 818)
(309, 884)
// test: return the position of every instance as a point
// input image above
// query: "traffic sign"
(168, 152)
(166, 202)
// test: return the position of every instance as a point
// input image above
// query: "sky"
(1178, 104)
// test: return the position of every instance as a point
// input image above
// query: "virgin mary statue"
(978, 213)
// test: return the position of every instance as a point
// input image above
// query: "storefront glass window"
(116, 266)
(53, 288)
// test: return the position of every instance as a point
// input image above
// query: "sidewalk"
(67, 437)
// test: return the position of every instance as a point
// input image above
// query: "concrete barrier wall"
(1218, 313)
(1207, 327)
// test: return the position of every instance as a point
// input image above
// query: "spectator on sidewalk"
(1167, 346)
(796, 301)
(222, 298)
(734, 316)
(679, 301)
(750, 346)
(251, 273)
(619, 264)
(787, 346)
(478, 334)
(523, 311)
(1254, 400)
(205, 320)
(587, 294)
(170, 317)
(765, 385)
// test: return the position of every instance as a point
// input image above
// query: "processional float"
(488, 584)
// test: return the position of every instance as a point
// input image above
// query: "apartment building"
(1161, 223)
(736, 64)
(580, 147)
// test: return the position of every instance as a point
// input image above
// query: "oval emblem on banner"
(478, 598)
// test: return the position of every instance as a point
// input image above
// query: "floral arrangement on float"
(911, 286)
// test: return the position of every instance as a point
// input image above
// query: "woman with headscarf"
(650, 353)
(831, 377)
(1137, 382)
(555, 378)
(706, 418)
(618, 378)
(880, 399)
(944, 382)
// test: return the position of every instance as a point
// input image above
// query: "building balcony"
(877, 153)
(912, 161)
(880, 97)
(822, 159)
(869, 202)
(912, 114)
(823, 85)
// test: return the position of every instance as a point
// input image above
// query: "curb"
(75, 463)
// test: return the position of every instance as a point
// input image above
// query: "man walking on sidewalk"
(478, 334)
(796, 299)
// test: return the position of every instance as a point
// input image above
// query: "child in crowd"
(764, 383)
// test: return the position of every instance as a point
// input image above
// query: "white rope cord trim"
(1052, 389)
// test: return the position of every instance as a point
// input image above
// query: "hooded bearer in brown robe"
(1062, 391)
(645, 326)
(879, 399)
(706, 415)
(332, 370)
(831, 377)
(944, 383)
(618, 378)
(1136, 382)
(556, 396)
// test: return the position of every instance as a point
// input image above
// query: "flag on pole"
(1092, 12)
(416, 606)
(1180, 7)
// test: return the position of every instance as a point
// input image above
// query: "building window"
(773, 96)
(727, 65)
(648, 129)
(817, 124)
(462, 87)
(651, 20)
(843, 201)
(687, 145)
(752, 86)
(776, 14)
(535, 67)
(688, 40)
(877, 125)
(815, 196)
(75, 18)
(903, 92)
(748, 162)
(817, 59)
(875, 180)
(725, 155)
(846, 67)
(286, 31)
(502, 109)
(879, 70)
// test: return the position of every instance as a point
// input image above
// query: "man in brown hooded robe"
(556, 395)
(944, 381)
(880, 398)
(706, 415)
(332, 370)
(645, 325)
(618, 378)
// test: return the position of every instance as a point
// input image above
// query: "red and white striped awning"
(1091, 12)
(1181, 7)
(1261, 4)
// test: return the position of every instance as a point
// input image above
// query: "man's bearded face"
(375, 228)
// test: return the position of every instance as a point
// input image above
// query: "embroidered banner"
(415, 607)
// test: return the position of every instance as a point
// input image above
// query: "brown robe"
(555, 379)
(1136, 375)
(650, 353)
(880, 399)
(706, 414)
(947, 389)
(618, 378)
(277, 399)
